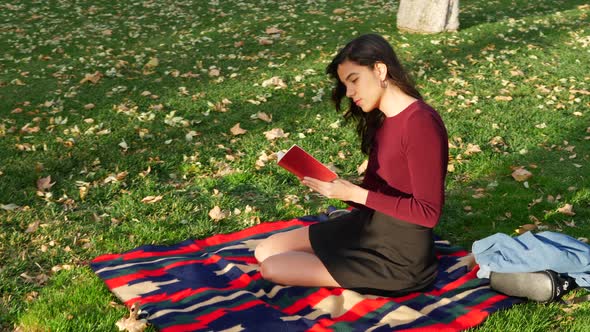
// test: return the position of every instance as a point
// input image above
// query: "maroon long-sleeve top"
(407, 166)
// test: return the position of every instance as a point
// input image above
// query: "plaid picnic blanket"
(214, 285)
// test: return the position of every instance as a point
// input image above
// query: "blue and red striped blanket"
(214, 285)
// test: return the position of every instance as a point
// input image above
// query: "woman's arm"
(426, 149)
(338, 189)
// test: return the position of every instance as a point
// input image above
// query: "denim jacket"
(534, 252)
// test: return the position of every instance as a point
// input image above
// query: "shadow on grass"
(474, 13)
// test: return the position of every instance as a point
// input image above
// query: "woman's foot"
(542, 286)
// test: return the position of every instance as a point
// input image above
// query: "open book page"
(299, 162)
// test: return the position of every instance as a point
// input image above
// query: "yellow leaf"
(153, 63)
(362, 167)
(83, 192)
(503, 98)
(151, 199)
(146, 172)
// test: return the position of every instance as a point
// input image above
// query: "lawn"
(118, 129)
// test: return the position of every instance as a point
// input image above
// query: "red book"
(301, 163)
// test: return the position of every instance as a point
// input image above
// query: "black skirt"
(370, 252)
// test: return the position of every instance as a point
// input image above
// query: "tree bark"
(428, 16)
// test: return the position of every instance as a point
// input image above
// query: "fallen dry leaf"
(262, 160)
(273, 31)
(541, 125)
(275, 81)
(567, 209)
(83, 191)
(237, 130)
(190, 135)
(132, 323)
(214, 72)
(362, 167)
(503, 98)
(525, 228)
(265, 41)
(216, 214)
(120, 176)
(151, 199)
(472, 149)
(9, 207)
(44, 184)
(152, 63)
(92, 78)
(146, 172)
(32, 228)
(521, 174)
(570, 223)
(275, 133)
(339, 11)
(263, 116)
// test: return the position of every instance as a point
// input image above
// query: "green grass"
(535, 52)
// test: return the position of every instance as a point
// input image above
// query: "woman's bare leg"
(294, 240)
(297, 268)
(288, 259)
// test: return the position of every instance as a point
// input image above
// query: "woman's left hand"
(339, 189)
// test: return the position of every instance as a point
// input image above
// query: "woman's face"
(363, 84)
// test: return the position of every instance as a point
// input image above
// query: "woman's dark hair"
(367, 50)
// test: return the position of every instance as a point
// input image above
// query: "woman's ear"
(381, 70)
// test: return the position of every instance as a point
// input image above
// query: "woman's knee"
(262, 250)
(269, 271)
(294, 240)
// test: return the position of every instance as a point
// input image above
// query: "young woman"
(385, 246)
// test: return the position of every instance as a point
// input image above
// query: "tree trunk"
(428, 16)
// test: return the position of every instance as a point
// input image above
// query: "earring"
(384, 84)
